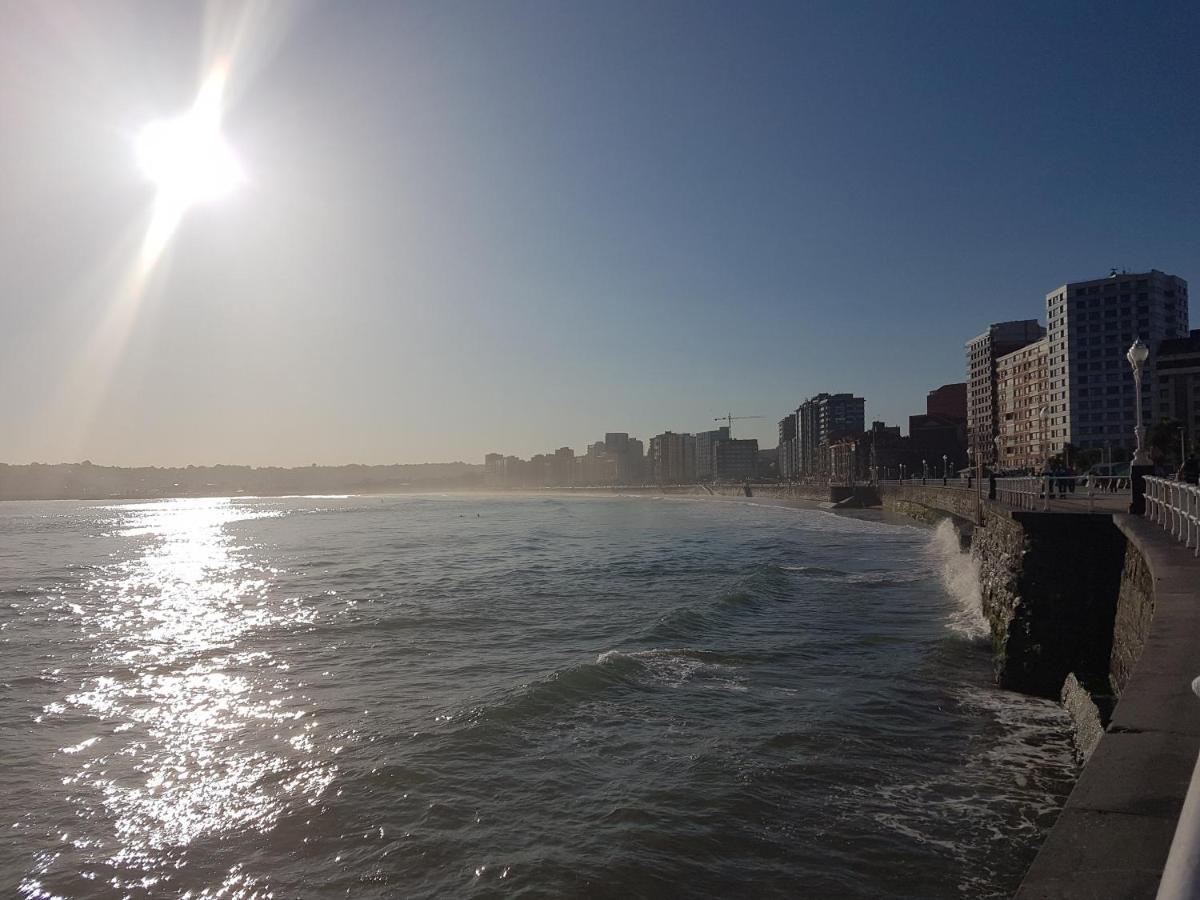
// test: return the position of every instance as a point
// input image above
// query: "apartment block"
(983, 350)
(1021, 390)
(1091, 325)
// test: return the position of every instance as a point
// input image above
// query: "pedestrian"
(1190, 470)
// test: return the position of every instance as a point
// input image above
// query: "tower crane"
(730, 418)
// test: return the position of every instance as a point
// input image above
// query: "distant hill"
(85, 481)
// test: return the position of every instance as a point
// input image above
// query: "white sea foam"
(675, 667)
(960, 576)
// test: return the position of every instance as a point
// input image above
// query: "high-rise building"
(735, 460)
(822, 420)
(1177, 386)
(562, 466)
(789, 447)
(948, 402)
(1091, 325)
(631, 465)
(982, 353)
(666, 458)
(616, 441)
(1021, 391)
(705, 460)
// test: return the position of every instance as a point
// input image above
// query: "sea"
(458, 695)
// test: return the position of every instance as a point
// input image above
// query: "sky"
(472, 227)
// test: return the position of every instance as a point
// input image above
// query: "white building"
(1090, 326)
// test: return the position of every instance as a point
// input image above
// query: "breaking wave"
(960, 576)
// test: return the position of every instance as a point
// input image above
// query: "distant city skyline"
(510, 228)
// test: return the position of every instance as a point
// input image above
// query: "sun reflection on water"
(199, 732)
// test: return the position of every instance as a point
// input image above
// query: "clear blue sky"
(512, 226)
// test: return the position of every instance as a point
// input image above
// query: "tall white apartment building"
(1090, 326)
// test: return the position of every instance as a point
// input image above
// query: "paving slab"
(1091, 854)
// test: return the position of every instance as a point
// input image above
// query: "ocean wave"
(960, 576)
(995, 804)
(613, 672)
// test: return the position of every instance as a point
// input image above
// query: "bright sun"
(188, 160)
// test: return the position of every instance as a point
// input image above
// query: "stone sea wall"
(1135, 612)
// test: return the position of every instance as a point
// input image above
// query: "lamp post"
(1044, 416)
(924, 470)
(901, 473)
(996, 442)
(1141, 465)
(874, 460)
(1137, 356)
(945, 468)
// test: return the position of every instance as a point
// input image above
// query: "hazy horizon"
(470, 228)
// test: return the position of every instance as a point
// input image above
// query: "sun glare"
(188, 160)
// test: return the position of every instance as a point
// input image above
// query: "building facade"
(1177, 385)
(706, 441)
(735, 460)
(667, 458)
(948, 401)
(821, 420)
(788, 448)
(1022, 394)
(1091, 325)
(983, 350)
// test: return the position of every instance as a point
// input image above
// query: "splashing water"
(960, 576)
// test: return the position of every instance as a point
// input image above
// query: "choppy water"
(489, 696)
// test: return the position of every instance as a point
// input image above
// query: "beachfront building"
(983, 350)
(667, 458)
(706, 461)
(1021, 391)
(788, 449)
(735, 460)
(1091, 325)
(1177, 384)
(821, 421)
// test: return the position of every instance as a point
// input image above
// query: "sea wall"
(1113, 836)
(1050, 584)
(1135, 613)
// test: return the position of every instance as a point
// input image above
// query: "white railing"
(960, 483)
(1028, 492)
(1036, 491)
(1175, 506)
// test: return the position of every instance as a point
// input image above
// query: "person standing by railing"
(1189, 471)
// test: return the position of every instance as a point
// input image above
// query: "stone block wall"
(1135, 611)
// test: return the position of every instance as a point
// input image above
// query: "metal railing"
(1036, 491)
(959, 483)
(1175, 506)
(1027, 492)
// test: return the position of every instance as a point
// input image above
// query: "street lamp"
(924, 470)
(1137, 356)
(945, 467)
(1044, 415)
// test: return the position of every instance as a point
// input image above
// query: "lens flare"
(189, 161)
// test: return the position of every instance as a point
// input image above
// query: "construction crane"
(730, 418)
